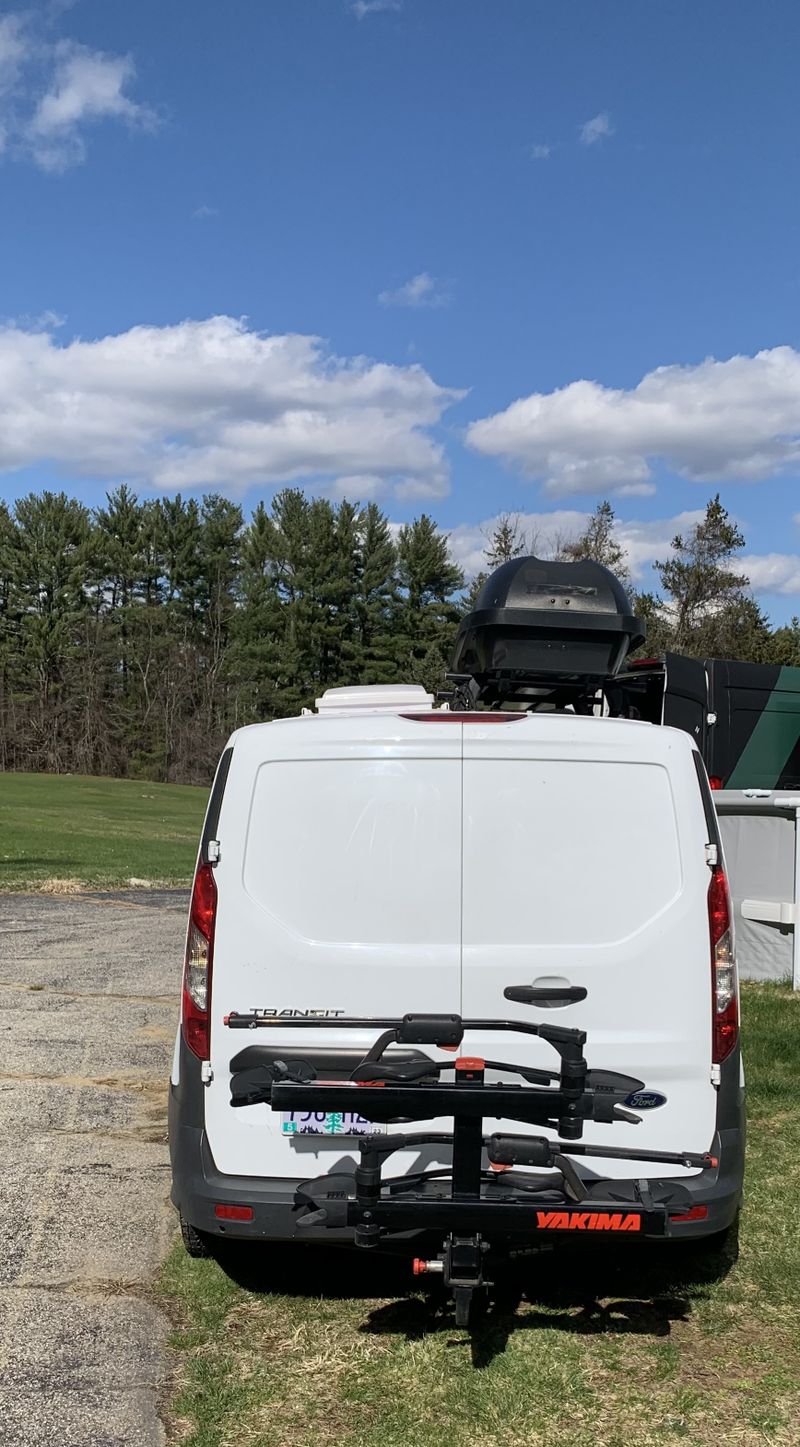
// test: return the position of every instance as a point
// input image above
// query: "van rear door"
(584, 864)
(686, 697)
(339, 892)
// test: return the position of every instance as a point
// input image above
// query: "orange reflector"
(695, 1213)
(470, 1062)
(233, 1213)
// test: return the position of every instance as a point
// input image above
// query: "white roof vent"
(376, 698)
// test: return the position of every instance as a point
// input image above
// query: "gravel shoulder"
(88, 999)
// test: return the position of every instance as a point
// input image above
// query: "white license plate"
(327, 1122)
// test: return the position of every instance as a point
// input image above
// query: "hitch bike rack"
(471, 1209)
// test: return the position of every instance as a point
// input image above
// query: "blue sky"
(471, 203)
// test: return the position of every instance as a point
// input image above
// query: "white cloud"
(771, 572)
(643, 542)
(541, 153)
(544, 531)
(599, 128)
(214, 404)
(363, 488)
(202, 213)
(423, 290)
(362, 8)
(13, 49)
(50, 93)
(737, 420)
(85, 86)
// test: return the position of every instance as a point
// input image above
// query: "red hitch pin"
(422, 1268)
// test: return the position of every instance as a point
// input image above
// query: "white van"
(383, 858)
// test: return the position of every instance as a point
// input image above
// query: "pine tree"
(429, 611)
(290, 519)
(178, 529)
(739, 629)
(119, 527)
(783, 646)
(218, 558)
(377, 599)
(256, 659)
(179, 701)
(119, 536)
(51, 560)
(700, 582)
(332, 568)
(507, 540)
(599, 543)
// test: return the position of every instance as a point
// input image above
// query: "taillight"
(724, 992)
(197, 964)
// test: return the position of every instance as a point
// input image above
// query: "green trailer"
(744, 717)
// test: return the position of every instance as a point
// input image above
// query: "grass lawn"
(60, 830)
(279, 1346)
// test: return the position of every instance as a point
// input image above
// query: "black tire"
(723, 1244)
(711, 1257)
(194, 1241)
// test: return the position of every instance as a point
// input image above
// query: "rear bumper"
(198, 1186)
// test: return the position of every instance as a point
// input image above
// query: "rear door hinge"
(712, 854)
(213, 851)
(711, 719)
(206, 1073)
(716, 1075)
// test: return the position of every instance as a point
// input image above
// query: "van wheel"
(725, 1244)
(193, 1240)
(720, 1251)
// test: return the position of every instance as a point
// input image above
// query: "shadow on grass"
(15, 867)
(638, 1291)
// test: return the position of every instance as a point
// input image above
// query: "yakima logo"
(588, 1221)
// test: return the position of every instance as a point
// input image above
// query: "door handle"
(547, 997)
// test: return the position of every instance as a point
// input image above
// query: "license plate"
(327, 1122)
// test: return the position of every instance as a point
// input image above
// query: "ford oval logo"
(645, 1099)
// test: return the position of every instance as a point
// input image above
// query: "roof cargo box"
(555, 624)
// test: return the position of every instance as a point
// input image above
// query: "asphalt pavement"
(88, 1001)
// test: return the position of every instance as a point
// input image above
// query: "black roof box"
(549, 623)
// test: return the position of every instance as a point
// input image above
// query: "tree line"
(135, 636)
